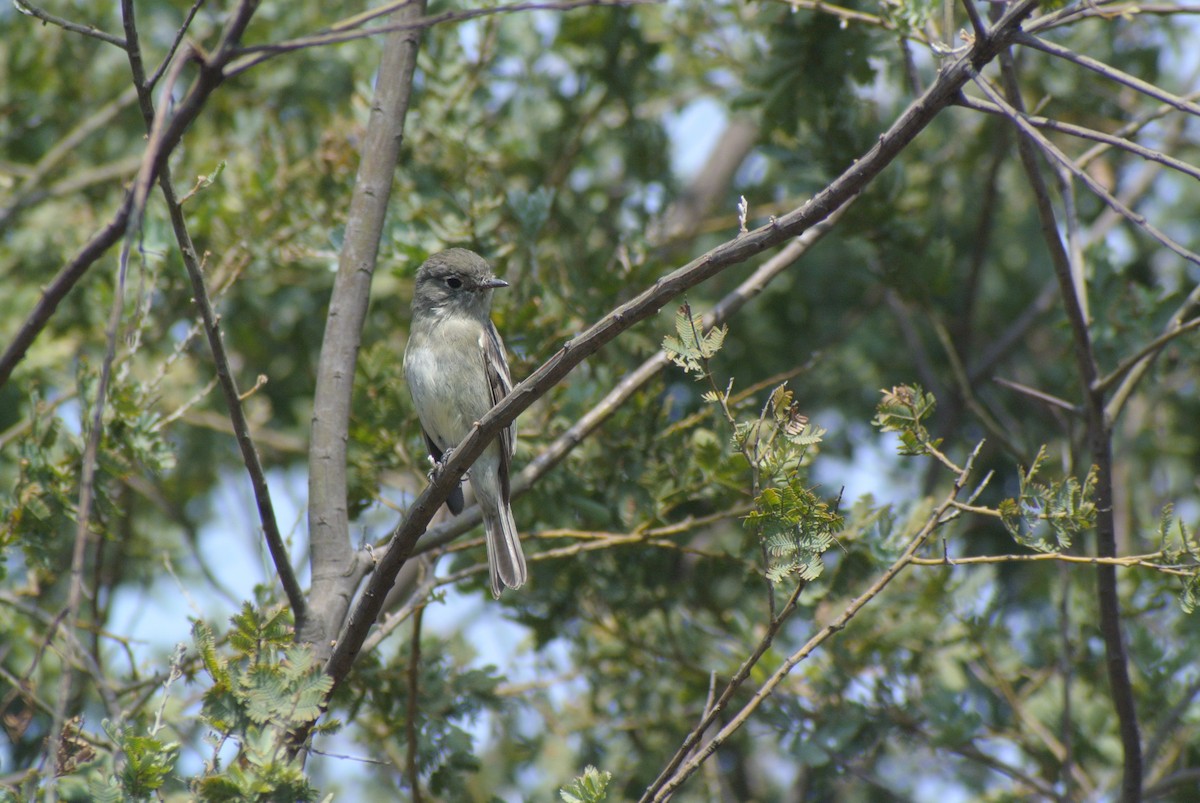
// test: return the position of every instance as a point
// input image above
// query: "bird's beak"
(494, 282)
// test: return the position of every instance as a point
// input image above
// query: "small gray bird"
(457, 370)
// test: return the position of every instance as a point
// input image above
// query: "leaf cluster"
(793, 524)
(692, 347)
(590, 787)
(906, 409)
(1047, 515)
(266, 686)
(1180, 548)
(797, 527)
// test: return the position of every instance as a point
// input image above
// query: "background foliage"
(580, 151)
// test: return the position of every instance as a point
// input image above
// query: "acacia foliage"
(561, 144)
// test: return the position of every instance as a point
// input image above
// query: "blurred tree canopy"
(753, 575)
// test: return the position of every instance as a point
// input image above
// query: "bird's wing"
(500, 385)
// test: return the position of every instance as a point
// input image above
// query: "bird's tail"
(505, 559)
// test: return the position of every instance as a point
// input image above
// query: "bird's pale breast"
(453, 397)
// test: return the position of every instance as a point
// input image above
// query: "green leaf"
(692, 347)
(590, 787)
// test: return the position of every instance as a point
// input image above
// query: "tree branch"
(1099, 435)
(211, 322)
(60, 285)
(97, 121)
(95, 433)
(335, 566)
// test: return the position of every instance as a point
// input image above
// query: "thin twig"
(91, 452)
(967, 391)
(1108, 10)
(410, 724)
(1109, 72)
(212, 75)
(256, 54)
(1089, 134)
(152, 81)
(1148, 561)
(211, 322)
(65, 24)
(691, 742)
(977, 23)
(31, 184)
(1153, 347)
(1135, 125)
(1040, 395)
(1050, 149)
(60, 285)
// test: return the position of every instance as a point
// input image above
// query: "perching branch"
(890, 144)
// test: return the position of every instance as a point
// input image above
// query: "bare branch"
(692, 741)
(1150, 349)
(1108, 9)
(850, 15)
(977, 23)
(211, 76)
(95, 432)
(212, 328)
(1042, 396)
(97, 121)
(410, 717)
(1148, 561)
(60, 285)
(152, 81)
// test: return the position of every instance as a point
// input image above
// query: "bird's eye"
(454, 282)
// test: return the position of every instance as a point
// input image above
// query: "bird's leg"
(438, 464)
